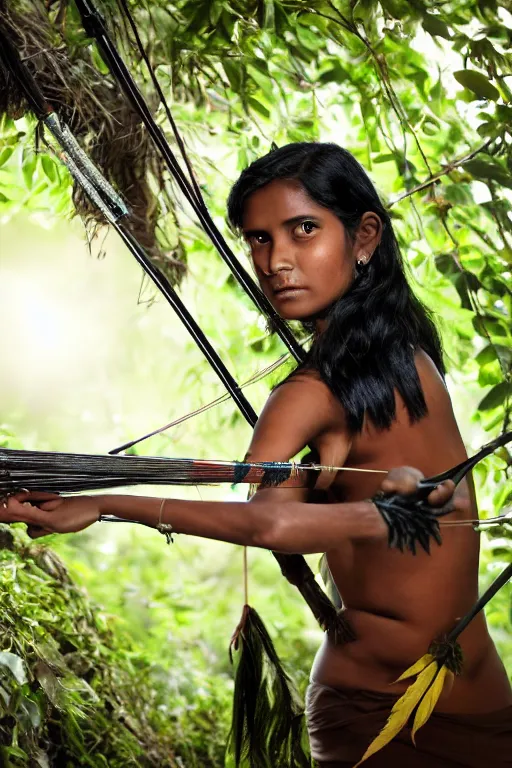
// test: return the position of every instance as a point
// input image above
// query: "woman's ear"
(368, 237)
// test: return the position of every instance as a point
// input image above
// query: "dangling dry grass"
(65, 66)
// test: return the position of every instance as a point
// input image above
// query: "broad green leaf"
(29, 166)
(436, 26)
(29, 714)
(487, 355)
(495, 397)
(478, 83)
(483, 167)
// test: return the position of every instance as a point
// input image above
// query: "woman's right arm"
(290, 527)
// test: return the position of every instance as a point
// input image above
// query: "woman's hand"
(46, 513)
(405, 480)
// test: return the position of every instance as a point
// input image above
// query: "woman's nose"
(280, 257)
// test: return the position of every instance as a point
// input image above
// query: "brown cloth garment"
(343, 722)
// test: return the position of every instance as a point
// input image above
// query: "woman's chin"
(294, 313)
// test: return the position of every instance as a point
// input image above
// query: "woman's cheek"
(331, 280)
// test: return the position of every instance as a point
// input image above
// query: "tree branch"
(436, 176)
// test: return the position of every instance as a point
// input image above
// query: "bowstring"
(254, 379)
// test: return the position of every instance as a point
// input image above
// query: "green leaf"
(98, 61)
(259, 107)
(49, 168)
(430, 126)
(483, 167)
(14, 752)
(387, 158)
(364, 10)
(436, 26)
(398, 9)
(335, 74)
(478, 83)
(29, 166)
(29, 714)
(459, 194)
(486, 355)
(308, 38)
(496, 396)
(5, 155)
(268, 15)
(15, 665)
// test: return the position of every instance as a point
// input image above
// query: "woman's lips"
(288, 292)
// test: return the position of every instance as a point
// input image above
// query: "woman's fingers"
(49, 506)
(442, 494)
(402, 480)
(51, 514)
(24, 512)
(451, 498)
(35, 497)
(36, 532)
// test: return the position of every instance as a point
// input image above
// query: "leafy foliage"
(72, 690)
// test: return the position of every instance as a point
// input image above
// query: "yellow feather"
(402, 710)
(429, 701)
(417, 667)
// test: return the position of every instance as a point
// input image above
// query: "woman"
(371, 395)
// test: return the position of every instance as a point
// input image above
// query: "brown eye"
(258, 239)
(305, 228)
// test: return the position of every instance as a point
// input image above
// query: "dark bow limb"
(95, 27)
(459, 472)
(103, 195)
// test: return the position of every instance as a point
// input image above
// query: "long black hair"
(373, 331)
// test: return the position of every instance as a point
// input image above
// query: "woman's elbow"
(279, 532)
(267, 537)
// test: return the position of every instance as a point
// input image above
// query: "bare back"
(399, 603)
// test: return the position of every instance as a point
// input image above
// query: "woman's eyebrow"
(286, 223)
(302, 217)
(253, 232)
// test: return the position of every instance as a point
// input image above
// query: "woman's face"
(302, 254)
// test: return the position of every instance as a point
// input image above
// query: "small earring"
(361, 262)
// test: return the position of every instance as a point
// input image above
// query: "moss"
(73, 692)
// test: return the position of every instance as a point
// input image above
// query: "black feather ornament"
(268, 724)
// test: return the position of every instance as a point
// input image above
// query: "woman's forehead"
(277, 202)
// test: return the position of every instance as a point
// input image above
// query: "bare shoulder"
(434, 388)
(431, 379)
(297, 413)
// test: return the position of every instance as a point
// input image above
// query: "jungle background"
(113, 647)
